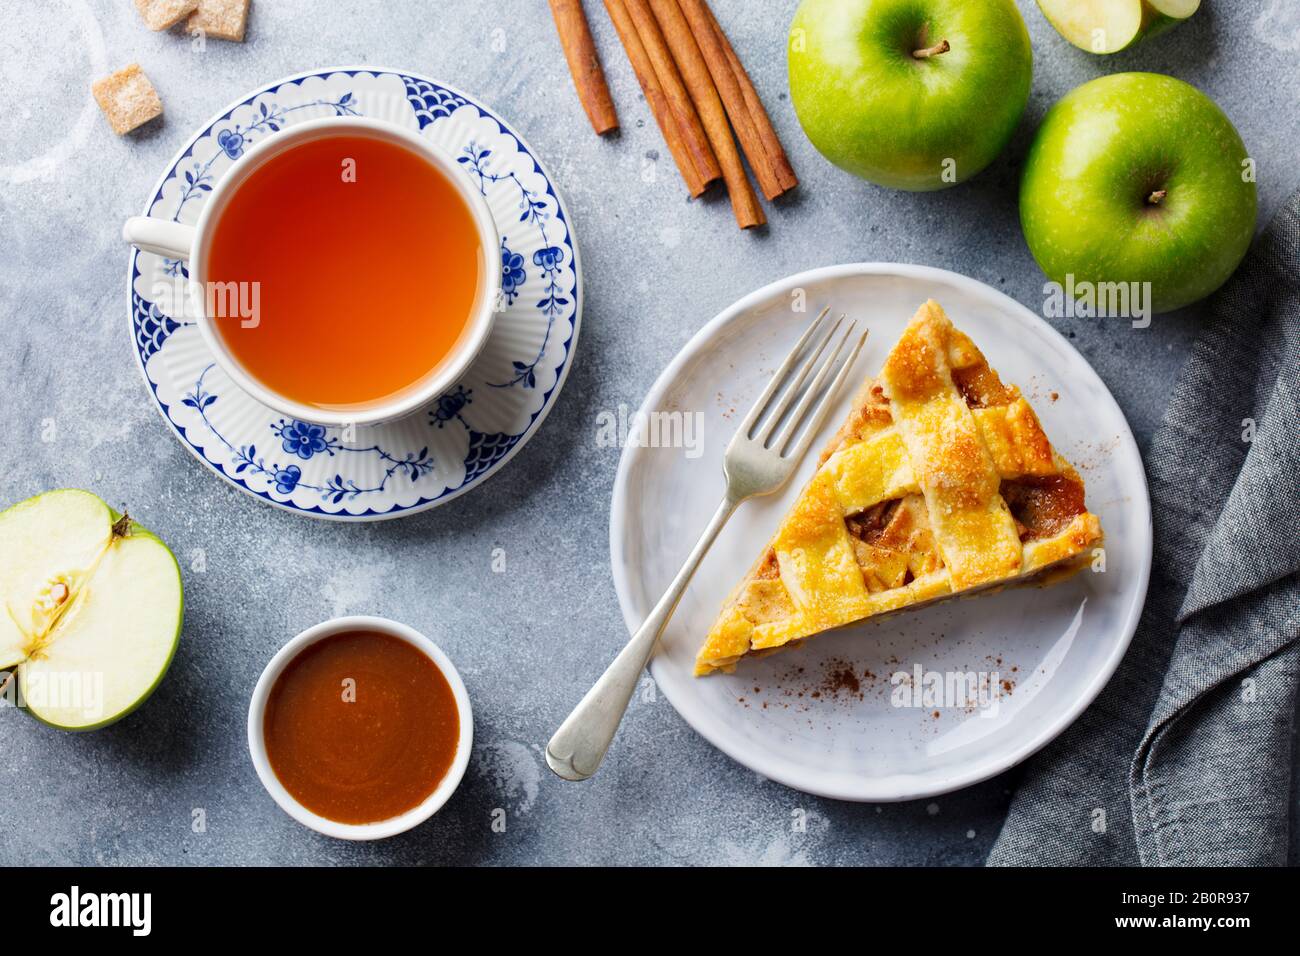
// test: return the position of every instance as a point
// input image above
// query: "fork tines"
(788, 404)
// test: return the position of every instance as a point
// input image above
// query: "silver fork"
(760, 460)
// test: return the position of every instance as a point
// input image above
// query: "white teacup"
(191, 244)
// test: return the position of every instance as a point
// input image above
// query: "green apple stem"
(1155, 198)
(940, 47)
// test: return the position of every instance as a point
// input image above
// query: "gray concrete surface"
(656, 269)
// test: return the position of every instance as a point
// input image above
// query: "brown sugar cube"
(161, 14)
(127, 98)
(222, 19)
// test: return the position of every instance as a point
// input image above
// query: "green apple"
(910, 94)
(1138, 178)
(1108, 26)
(90, 609)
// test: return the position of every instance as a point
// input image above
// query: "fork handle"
(578, 747)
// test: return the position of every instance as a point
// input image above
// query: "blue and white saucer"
(381, 471)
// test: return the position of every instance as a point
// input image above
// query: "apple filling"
(981, 388)
(1043, 506)
(892, 542)
(769, 570)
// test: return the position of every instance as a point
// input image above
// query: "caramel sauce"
(361, 727)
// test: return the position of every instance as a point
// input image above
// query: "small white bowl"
(382, 828)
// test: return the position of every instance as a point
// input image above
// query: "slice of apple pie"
(941, 483)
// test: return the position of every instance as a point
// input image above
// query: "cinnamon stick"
(654, 96)
(699, 82)
(584, 64)
(733, 98)
(776, 156)
(695, 141)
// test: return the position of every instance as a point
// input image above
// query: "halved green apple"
(90, 609)
(1108, 26)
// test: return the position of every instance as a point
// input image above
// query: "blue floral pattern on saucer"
(382, 471)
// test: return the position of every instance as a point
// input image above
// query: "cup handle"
(159, 236)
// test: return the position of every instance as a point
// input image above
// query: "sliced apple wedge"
(90, 609)
(1108, 26)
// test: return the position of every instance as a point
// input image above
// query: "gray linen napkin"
(1185, 758)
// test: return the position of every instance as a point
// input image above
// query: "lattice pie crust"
(941, 483)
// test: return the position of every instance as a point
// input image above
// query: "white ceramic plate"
(460, 440)
(793, 716)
